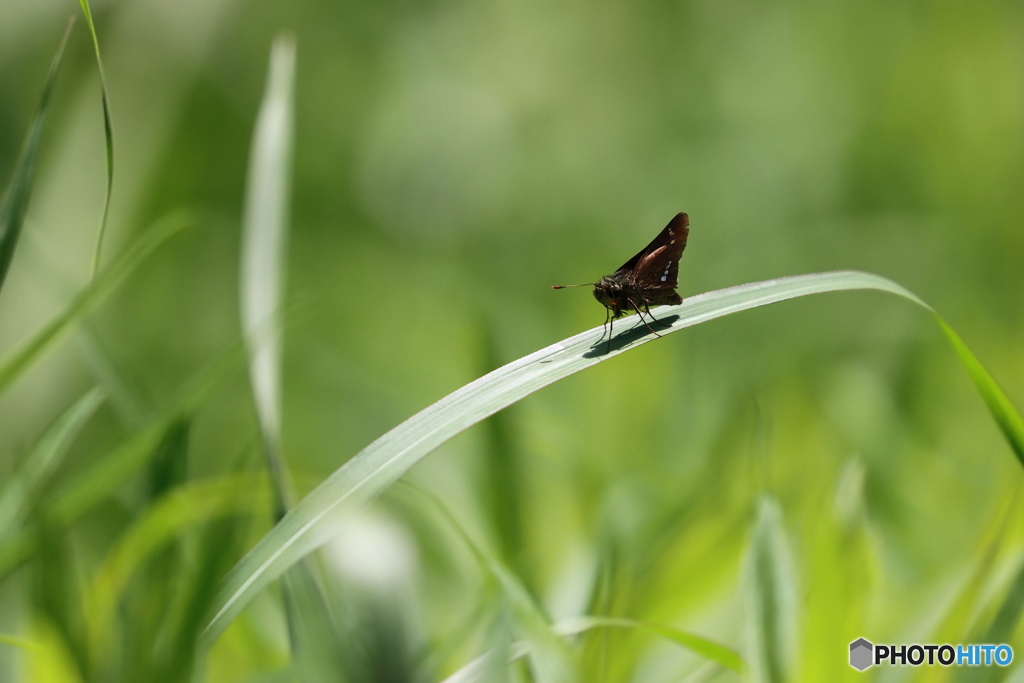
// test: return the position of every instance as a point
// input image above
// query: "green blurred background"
(453, 159)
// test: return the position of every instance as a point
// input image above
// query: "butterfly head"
(611, 294)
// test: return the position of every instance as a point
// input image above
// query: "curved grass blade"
(44, 459)
(95, 482)
(264, 248)
(108, 133)
(1000, 630)
(184, 507)
(999, 404)
(264, 244)
(308, 525)
(551, 659)
(772, 603)
(33, 348)
(962, 610)
(14, 203)
(477, 670)
(108, 472)
(15, 641)
(708, 649)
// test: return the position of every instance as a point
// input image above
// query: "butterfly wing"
(657, 264)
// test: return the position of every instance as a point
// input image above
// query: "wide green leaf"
(310, 523)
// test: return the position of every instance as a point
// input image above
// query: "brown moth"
(648, 279)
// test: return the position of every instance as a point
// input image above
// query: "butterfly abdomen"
(661, 297)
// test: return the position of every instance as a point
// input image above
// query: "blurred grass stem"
(108, 141)
(264, 245)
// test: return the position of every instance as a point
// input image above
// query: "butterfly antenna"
(585, 284)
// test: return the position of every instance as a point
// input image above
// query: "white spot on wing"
(663, 278)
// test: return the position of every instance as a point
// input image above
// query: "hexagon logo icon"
(860, 654)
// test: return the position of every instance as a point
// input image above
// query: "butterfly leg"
(604, 325)
(647, 309)
(640, 313)
(611, 325)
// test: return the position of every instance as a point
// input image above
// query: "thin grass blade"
(34, 347)
(263, 272)
(709, 649)
(15, 641)
(44, 459)
(95, 482)
(309, 524)
(14, 203)
(108, 137)
(108, 472)
(1000, 630)
(482, 668)
(999, 404)
(772, 605)
(962, 611)
(503, 477)
(551, 659)
(185, 507)
(264, 243)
